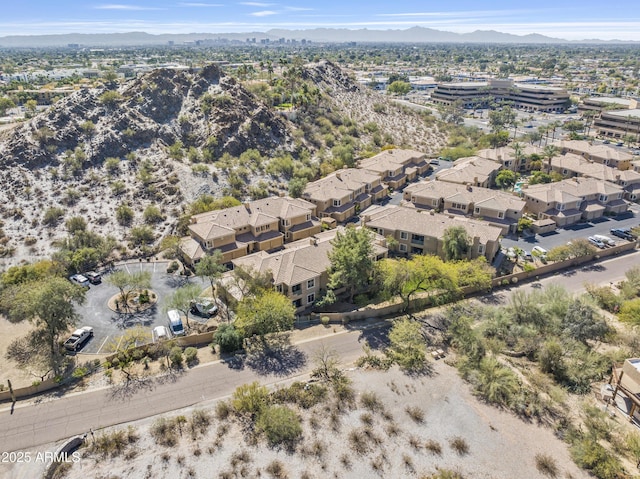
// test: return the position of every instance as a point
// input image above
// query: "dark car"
(204, 309)
(623, 233)
(93, 277)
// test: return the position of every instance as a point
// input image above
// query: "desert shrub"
(250, 398)
(191, 355)
(496, 383)
(142, 235)
(446, 474)
(223, 409)
(358, 441)
(371, 401)
(152, 214)
(124, 215)
(459, 445)
(589, 454)
(415, 413)
(433, 447)
(175, 356)
(546, 465)
(605, 297)
(305, 395)
(110, 98)
(228, 338)
(114, 443)
(276, 469)
(199, 423)
(280, 425)
(52, 216)
(173, 267)
(165, 431)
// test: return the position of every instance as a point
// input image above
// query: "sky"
(568, 19)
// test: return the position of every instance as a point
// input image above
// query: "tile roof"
(469, 170)
(427, 224)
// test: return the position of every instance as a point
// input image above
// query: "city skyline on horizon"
(559, 19)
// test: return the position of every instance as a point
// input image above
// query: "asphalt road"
(53, 418)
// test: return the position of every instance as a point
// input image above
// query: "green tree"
(152, 215)
(549, 152)
(6, 104)
(50, 305)
(506, 178)
(268, 312)
(296, 187)
(280, 425)
(630, 311)
(455, 243)
(352, 260)
(228, 338)
(210, 267)
(496, 383)
(127, 283)
(407, 346)
(183, 298)
(250, 398)
(399, 87)
(551, 359)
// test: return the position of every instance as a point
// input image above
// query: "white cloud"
(263, 13)
(201, 5)
(256, 4)
(117, 6)
(299, 9)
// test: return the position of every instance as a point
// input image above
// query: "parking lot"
(601, 226)
(108, 325)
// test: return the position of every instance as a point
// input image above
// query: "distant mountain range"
(319, 35)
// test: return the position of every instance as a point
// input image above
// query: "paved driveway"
(560, 237)
(107, 324)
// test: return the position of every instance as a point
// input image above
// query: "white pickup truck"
(78, 338)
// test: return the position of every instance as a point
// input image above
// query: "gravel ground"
(500, 446)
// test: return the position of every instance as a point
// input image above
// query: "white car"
(605, 239)
(160, 333)
(596, 242)
(539, 250)
(80, 280)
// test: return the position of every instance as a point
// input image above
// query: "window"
(417, 239)
(481, 249)
(297, 303)
(404, 235)
(434, 202)
(308, 217)
(337, 202)
(311, 283)
(477, 210)
(286, 222)
(287, 235)
(560, 206)
(403, 247)
(279, 288)
(501, 214)
(458, 206)
(296, 289)
(311, 298)
(564, 171)
(603, 198)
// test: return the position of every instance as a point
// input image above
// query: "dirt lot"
(8, 369)
(499, 444)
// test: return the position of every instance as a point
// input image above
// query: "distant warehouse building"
(528, 97)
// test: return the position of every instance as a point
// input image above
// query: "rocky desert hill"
(110, 155)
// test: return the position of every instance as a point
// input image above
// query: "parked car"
(78, 338)
(93, 277)
(527, 255)
(596, 242)
(204, 308)
(606, 142)
(80, 280)
(434, 162)
(623, 233)
(605, 239)
(175, 323)
(539, 250)
(160, 333)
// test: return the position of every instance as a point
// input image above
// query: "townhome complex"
(567, 202)
(344, 193)
(300, 270)
(396, 167)
(418, 232)
(524, 96)
(499, 209)
(506, 156)
(261, 225)
(472, 170)
(598, 153)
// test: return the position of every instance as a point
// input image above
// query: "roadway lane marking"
(102, 345)
(126, 266)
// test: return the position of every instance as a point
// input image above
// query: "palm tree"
(549, 152)
(518, 151)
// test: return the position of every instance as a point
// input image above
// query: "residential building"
(473, 170)
(567, 202)
(345, 192)
(507, 158)
(262, 225)
(300, 271)
(596, 152)
(396, 167)
(497, 208)
(618, 123)
(417, 232)
(524, 96)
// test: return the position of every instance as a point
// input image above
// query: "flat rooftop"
(625, 113)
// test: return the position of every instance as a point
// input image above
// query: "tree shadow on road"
(128, 389)
(275, 356)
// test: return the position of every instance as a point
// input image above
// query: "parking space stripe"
(102, 345)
